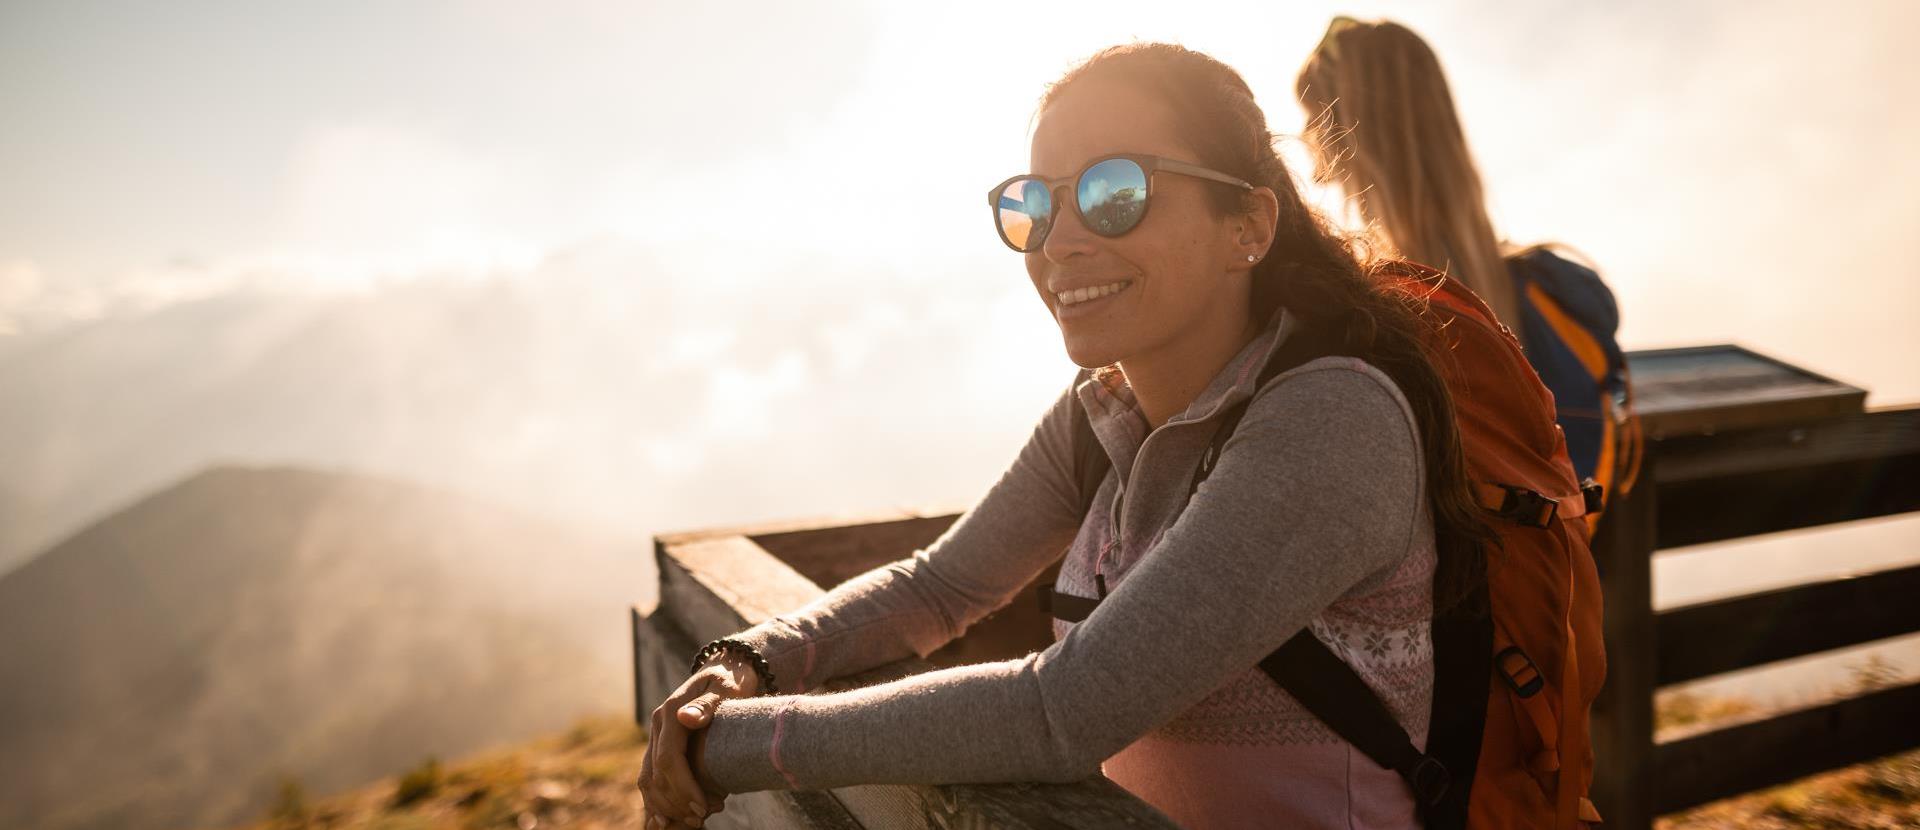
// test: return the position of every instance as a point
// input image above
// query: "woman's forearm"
(914, 606)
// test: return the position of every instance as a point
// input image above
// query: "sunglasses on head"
(1110, 195)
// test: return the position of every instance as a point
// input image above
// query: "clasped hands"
(673, 779)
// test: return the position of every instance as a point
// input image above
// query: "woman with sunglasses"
(1383, 128)
(1165, 236)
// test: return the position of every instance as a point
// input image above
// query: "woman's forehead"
(1098, 118)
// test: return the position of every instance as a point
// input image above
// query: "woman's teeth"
(1081, 295)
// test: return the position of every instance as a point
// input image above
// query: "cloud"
(388, 198)
(20, 286)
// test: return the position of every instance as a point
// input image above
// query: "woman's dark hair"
(1316, 274)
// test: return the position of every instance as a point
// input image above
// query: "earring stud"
(1252, 258)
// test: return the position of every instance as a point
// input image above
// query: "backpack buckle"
(1527, 507)
(1519, 671)
(1429, 779)
(1595, 494)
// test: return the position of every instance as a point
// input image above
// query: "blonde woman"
(1382, 127)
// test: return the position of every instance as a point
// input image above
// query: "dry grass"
(1882, 795)
(1879, 795)
(582, 778)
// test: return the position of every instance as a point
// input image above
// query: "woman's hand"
(675, 795)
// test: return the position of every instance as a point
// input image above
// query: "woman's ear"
(1254, 238)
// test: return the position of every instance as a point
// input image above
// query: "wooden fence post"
(1623, 715)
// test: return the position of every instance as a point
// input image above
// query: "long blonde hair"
(1381, 125)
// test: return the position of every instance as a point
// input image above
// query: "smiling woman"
(1196, 288)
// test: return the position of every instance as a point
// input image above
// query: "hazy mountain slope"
(166, 665)
(592, 387)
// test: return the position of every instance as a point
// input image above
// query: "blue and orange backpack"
(1567, 329)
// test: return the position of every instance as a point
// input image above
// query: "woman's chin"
(1089, 352)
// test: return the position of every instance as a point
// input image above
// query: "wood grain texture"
(831, 555)
(1737, 506)
(714, 584)
(1702, 390)
(1866, 436)
(1750, 756)
(1623, 714)
(1734, 633)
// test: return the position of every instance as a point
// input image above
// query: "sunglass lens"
(1025, 213)
(1113, 196)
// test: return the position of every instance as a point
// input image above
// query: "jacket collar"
(1106, 396)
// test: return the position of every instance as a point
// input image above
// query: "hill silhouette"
(172, 664)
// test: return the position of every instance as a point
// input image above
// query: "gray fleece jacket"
(1315, 516)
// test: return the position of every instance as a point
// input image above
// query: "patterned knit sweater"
(1314, 517)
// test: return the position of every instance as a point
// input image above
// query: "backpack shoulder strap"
(1324, 684)
(1321, 681)
(1334, 693)
(1302, 346)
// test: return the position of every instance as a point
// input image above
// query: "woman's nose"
(1069, 236)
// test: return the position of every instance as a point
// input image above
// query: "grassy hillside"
(584, 778)
(168, 665)
(1883, 795)
(581, 778)
(1880, 795)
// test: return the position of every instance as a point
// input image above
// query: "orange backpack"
(1508, 742)
(1535, 763)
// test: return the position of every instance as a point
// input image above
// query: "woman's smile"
(1080, 302)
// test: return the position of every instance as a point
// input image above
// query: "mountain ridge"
(247, 623)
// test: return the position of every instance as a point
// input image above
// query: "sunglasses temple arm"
(1197, 171)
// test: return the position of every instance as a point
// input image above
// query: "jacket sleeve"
(1319, 489)
(916, 605)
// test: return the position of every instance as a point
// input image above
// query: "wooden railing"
(718, 582)
(1714, 487)
(1733, 457)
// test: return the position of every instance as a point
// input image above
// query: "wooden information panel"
(1702, 390)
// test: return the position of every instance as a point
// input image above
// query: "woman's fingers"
(666, 765)
(650, 793)
(674, 776)
(698, 712)
(671, 790)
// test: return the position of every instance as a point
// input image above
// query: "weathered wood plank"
(1750, 482)
(1734, 633)
(1750, 756)
(716, 584)
(1737, 506)
(832, 555)
(1867, 436)
(661, 654)
(1094, 804)
(1706, 389)
(1623, 714)
(804, 808)
(681, 537)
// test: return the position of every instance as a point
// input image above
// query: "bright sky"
(1739, 170)
(761, 278)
